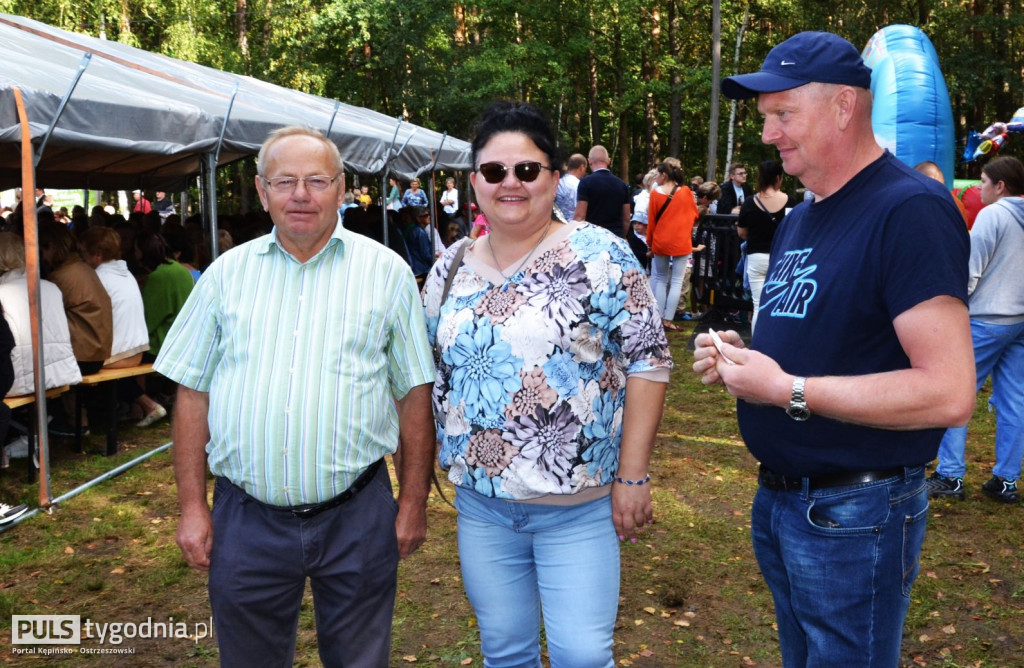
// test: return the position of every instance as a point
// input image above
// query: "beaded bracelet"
(646, 479)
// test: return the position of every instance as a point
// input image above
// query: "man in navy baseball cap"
(808, 57)
(862, 354)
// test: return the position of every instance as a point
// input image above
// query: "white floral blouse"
(530, 385)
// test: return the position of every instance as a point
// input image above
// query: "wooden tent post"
(28, 210)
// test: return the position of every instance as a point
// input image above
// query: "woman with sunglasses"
(552, 368)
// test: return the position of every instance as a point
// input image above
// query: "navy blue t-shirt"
(841, 271)
(605, 195)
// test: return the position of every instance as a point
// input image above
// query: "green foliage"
(633, 75)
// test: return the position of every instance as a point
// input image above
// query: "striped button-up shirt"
(302, 362)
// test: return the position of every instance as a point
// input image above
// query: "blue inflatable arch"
(912, 115)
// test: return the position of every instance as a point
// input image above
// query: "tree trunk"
(649, 58)
(242, 30)
(716, 72)
(732, 106)
(675, 116)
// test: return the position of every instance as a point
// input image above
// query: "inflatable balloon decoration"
(993, 138)
(912, 115)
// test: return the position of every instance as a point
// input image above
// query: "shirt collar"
(338, 237)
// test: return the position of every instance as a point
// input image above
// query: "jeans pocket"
(854, 511)
(221, 491)
(913, 539)
(381, 487)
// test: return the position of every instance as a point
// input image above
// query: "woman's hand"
(631, 509)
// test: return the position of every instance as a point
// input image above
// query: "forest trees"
(634, 76)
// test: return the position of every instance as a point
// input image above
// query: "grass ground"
(692, 595)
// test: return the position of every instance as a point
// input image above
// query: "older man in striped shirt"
(301, 356)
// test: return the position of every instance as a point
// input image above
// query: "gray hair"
(298, 131)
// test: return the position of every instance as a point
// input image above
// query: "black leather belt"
(305, 512)
(782, 483)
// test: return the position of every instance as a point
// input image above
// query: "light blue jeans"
(668, 273)
(999, 352)
(840, 562)
(757, 271)
(519, 559)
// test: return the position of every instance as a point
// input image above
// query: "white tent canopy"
(138, 119)
(79, 112)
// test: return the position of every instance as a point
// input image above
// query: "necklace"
(504, 286)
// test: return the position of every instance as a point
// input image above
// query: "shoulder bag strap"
(453, 269)
(672, 194)
(657, 216)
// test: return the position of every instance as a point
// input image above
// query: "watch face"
(798, 413)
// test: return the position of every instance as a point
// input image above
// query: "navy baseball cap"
(802, 59)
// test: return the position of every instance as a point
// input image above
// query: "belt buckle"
(307, 512)
(778, 482)
(772, 480)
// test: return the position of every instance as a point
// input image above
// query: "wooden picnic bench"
(19, 400)
(101, 377)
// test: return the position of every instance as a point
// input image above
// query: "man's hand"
(753, 376)
(191, 434)
(413, 465)
(411, 527)
(706, 355)
(195, 538)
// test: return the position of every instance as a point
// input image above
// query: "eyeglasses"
(287, 184)
(526, 171)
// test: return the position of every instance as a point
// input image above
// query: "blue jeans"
(999, 352)
(840, 562)
(519, 559)
(668, 273)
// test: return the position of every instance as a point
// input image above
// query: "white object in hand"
(717, 340)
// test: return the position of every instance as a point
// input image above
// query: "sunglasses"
(526, 171)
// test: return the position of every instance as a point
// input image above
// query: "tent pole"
(330, 126)
(28, 187)
(63, 103)
(433, 195)
(432, 210)
(384, 172)
(211, 159)
(92, 483)
(383, 205)
(209, 198)
(392, 155)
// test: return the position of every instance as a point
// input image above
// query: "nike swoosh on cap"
(787, 62)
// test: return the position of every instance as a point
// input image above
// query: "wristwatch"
(797, 404)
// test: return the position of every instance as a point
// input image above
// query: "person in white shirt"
(101, 250)
(61, 367)
(565, 194)
(450, 205)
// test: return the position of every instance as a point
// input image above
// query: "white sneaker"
(158, 413)
(18, 448)
(9, 513)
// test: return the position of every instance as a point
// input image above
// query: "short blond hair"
(298, 131)
(12, 252)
